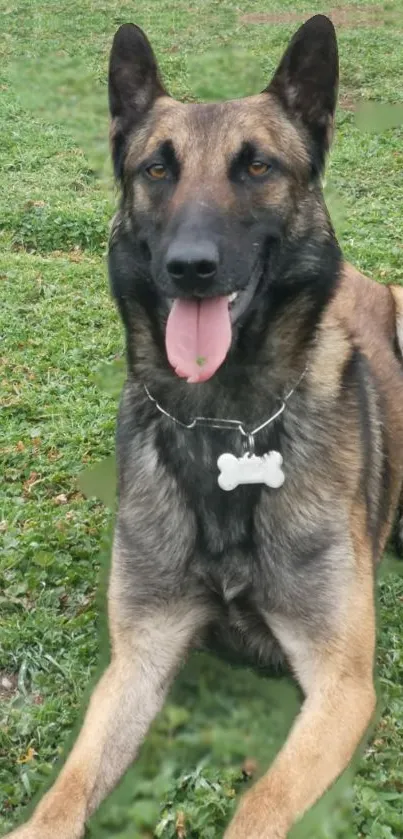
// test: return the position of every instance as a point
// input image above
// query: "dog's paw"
(32, 830)
(26, 831)
(255, 818)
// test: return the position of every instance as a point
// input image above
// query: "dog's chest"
(239, 632)
(225, 518)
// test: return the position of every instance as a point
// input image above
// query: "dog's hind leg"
(146, 652)
(336, 674)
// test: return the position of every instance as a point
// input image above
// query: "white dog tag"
(250, 469)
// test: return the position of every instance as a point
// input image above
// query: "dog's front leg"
(146, 651)
(337, 677)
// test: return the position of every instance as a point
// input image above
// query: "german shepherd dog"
(238, 307)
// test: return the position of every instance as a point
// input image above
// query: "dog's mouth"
(199, 331)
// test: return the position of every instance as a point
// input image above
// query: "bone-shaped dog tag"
(250, 469)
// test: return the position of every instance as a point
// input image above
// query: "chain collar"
(228, 424)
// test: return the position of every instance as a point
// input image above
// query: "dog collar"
(248, 469)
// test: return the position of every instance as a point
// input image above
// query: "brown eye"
(258, 168)
(157, 171)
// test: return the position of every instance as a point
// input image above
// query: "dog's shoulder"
(364, 315)
(370, 313)
(365, 307)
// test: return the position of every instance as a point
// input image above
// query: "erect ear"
(306, 83)
(134, 85)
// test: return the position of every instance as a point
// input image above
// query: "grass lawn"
(60, 336)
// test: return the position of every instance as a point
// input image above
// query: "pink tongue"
(198, 337)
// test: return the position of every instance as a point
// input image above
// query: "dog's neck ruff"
(248, 469)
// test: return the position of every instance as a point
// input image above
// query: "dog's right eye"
(157, 171)
(257, 168)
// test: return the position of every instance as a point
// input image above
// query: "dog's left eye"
(257, 168)
(157, 171)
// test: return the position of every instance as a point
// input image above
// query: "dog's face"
(211, 191)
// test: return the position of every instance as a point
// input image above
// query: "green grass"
(59, 329)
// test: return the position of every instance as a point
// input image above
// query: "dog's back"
(372, 315)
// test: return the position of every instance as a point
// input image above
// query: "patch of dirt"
(8, 685)
(347, 101)
(342, 16)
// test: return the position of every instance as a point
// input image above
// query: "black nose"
(192, 265)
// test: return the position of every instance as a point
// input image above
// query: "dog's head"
(212, 193)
